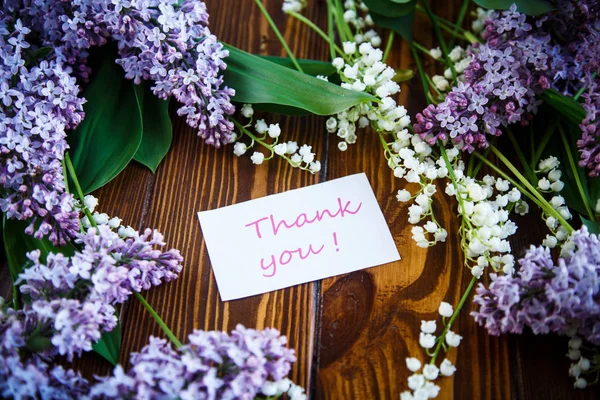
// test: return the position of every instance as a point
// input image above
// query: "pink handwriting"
(285, 258)
(302, 219)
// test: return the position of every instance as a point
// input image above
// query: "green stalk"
(460, 305)
(159, 320)
(65, 178)
(78, 190)
(573, 166)
(388, 46)
(549, 209)
(459, 21)
(438, 33)
(278, 34)
(544, 142)
(330, 31)
(582, 89)
(422, 48)
(528, 171)
(421, 72)
(314, 27)
(480, 163)
(255, 138)
(341, 25)
(484, 159)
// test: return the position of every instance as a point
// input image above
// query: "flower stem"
(255, 138)
(71, 170)
(388, 46)
(573, 166)
(438, 33)
(582, 89)
(459, 21)
(278, 34)
(460, 305)
(332, 46)
(544, 141)
(65, 177)
(421, 72)
(542, 202)
(528, 171)
(158, 320)
(318, 30)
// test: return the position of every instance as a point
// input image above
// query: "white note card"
(298, 236)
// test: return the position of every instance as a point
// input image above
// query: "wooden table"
(351, 333)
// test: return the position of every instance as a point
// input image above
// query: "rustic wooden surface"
(352, 332)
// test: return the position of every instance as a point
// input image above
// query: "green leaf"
(403, 25)
(593, 227)
(310, 67)
(569, 108)
(109, 345)
(17, 243)
(390, 8)
(529, 7)
(157, 128)
(111, 132)
(258, 81)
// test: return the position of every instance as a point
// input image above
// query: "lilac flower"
(501, 82)
(589, 144)
(26, 377)
(165, 41)
(72, 298)
(38, 104)
(213, 365)
(547, 296)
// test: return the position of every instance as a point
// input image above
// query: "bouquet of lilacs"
(499, 86)
(72, 266)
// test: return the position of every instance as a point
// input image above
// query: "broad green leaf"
(258, 81)
(109, 345)
(529, 7)
(111, 132)
(390, 8)
(17, 243)
(400, 1)
(569, 108)
(403, 24)
(157, 128)
(593, 227)
(310, 67)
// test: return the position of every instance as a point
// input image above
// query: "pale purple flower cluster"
(72, 298)
(579, 23)
(589, 144)
(213, 365)
(501, 82)
(30, 377)
(546, 296)
(165, 41)
(38, 103)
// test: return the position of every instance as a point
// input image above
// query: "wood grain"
(351, 333)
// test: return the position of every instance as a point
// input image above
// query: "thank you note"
(298, 236)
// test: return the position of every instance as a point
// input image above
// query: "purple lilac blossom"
(213, 365)
(73, 298)
(164, 41)
(501, 82)
(28, 376)
(547, 296)
(37, 105)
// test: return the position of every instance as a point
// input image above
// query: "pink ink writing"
(285, 258)
(265, 225)
(302, 219)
